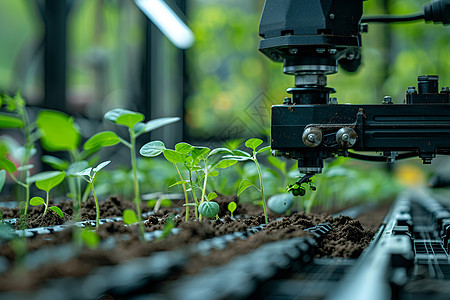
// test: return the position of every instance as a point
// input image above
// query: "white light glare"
(168, 22)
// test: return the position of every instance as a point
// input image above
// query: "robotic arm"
(312, 38)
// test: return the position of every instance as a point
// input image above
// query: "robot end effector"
(312, 38)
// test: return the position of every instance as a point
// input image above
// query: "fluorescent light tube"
(168, 22)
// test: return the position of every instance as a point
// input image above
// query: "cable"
(392, 19)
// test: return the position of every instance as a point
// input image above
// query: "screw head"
(293, 51)
(311, 137)
(387, 100)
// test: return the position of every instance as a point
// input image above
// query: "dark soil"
(347, 239)
(112, 207)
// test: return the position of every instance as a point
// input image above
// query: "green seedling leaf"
(7, 165)
(10, 121)
(85, 172)
(173, 156)
(57, 210)
(129, 217)
(152, 149)
(90, 238)
(178, 183)
(168, 225)
(49, 180)
(130, 120)
(264, 149)
(124, 117)
(151, 203)
(208, 209)
(223, 164)
(199, 152)
(25, 168)
(77, 167)
(213, 173)
(101, 139)
(212, 196)
(232, 207)
(157, 123)
(55, 162)
(59, 133)
(114, 114)
(244, 185)
(183, 148)
(2, 179)
(253, 143)
(220, 151)
(101, 166)
(164, 203)
(36, 201)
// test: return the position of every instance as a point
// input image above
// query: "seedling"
(169, 224)
(47, 181)
(59, 132)
(133, 121)
(209, 208)
(36, 201)
(244, 156)
(196, 160)
(89, 175)
(129, 217)
(232, 207)
(90, 238)
(17, 117)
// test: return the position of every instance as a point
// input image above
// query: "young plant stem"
(193, 195)
(261, 189)
(185, 193)
(137, 197)
(97, 208)
(204, 189)
(46, 203)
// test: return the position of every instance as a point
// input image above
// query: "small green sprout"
(169, 224)
(36, 201)
(232, 207)
(244, 156)
(196, 160)
(16, 116)
(90, 173)
(90, 238)
(133, 121)
(129, 217)
(46, 181)
(209, 208)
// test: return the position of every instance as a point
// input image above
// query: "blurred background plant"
(221, 87)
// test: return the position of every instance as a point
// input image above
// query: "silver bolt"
(311, 137)
(332, 51)
(387, 100)
(293, 51)
(345, 137)
(411, 90)
(332, 16)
